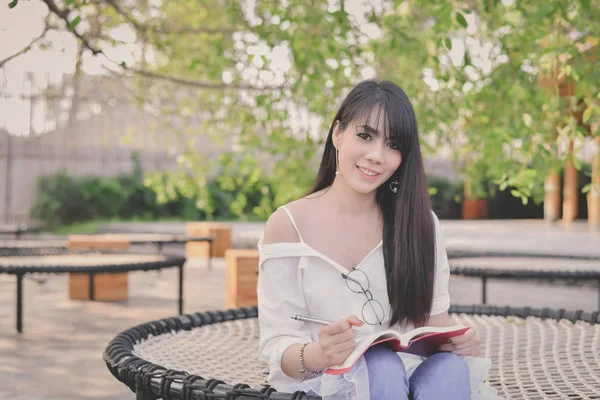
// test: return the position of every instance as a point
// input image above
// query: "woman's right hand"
(337, 340)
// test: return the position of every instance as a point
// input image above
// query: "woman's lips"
(367, 176)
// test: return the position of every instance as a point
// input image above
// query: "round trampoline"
(535, 353)
(505, 265)
(16, 246)
(22, 261)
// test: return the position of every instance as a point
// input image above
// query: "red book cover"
(421, 341)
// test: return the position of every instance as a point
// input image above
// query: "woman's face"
(367, 159)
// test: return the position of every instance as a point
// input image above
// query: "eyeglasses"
(358, 282)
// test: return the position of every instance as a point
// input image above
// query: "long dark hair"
(408, 223)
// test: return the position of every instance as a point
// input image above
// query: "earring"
(337, 164)
(394, 186)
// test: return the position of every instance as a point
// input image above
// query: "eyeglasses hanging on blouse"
(358, 282)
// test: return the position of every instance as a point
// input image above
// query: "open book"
(421, 341)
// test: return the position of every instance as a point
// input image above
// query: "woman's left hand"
(466, 344)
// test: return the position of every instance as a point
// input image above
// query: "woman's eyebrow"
(369, 129)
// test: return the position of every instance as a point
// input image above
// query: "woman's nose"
(375, 154)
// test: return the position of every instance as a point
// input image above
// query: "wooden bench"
(221, 233)
(107, 287)
(242, 277)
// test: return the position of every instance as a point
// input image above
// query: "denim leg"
(441, 376)
(387, 376)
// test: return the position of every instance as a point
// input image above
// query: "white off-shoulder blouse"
(295, 278)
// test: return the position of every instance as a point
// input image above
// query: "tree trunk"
(74, 109)
(552, 197)
(593, 196)
(570, 189)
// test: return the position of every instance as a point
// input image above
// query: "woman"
(364, 249)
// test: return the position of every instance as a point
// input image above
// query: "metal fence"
(89, 126)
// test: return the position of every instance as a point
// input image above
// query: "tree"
(486, 102)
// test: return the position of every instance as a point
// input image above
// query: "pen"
(311, 319)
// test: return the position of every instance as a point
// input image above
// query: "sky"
(19, 26)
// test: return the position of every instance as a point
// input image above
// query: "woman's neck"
(350, 202)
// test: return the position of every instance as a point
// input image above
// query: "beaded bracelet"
(304, 368)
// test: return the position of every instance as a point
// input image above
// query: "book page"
(363, 344)
(403, 340)
(406, 337)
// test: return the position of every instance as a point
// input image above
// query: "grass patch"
(93, 225)
(78, 228)
(89, 227)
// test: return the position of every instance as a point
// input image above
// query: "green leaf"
(530, 173)
(467, 59)
(524, 200)
(515, 193)
(586, 188)
(587, 115)
(544, 9)
(448, 43)
(69, 2)
(577, 163)
(75, 22)
(260, 99)
(585, 5)
(461, 20)
(194, 64)
(13, 4)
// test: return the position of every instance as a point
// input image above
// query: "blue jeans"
(441, 376)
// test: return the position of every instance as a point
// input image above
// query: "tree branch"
(136, 24)
(28, 47)
(64, 15)
(198, 84)
(165, 29)
(186, 31)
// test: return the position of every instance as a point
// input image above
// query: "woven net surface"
(532, 358)
(526, 263)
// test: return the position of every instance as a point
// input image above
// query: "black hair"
(408, 222)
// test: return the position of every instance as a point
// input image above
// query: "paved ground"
(59, 354)
(522, 235)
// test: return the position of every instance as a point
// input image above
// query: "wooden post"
(242, 277)
(107, 287)
(220, 231)
(570, 207)
(593, 196)
(552, 197)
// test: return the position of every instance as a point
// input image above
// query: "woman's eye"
(393, 145)
(364, 136)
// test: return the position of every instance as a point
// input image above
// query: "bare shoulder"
(279, 229)
(304, 209)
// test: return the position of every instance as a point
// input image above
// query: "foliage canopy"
(506, 85)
